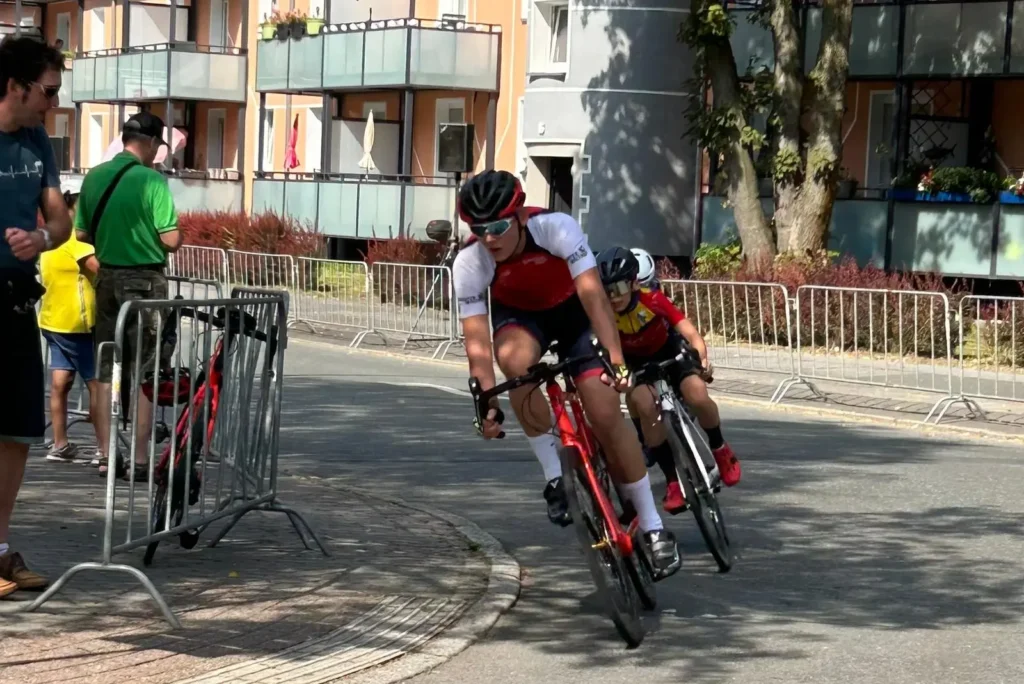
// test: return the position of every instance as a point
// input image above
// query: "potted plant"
(1013, 190)
(959, 184)
(847, 185)
(297, 20)
(283, 28)
(314, 24)
(268, 29)
(905, 184)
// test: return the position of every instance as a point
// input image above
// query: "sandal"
(121, 468)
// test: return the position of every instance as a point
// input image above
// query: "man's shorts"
(690, 365)
(567, 324)
(22, 412)
(114, 288)
(75, 352)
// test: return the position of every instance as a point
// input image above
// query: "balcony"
(940, 39)
(948, 238)
(219, 190)
(177, 71)
(355, 206)
(395, 53)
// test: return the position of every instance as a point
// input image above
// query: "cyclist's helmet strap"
(490, 196)
(617, 264)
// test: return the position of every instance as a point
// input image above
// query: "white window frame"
(445, 7)
(379, 109)
(268, 140)
(543, 26)
(444, 104)
(224, 38)
(314, 139)
(66, 17)
(61, 126)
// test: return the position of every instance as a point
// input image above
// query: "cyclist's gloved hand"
(621, 380)
(491, 427)
(707, 373)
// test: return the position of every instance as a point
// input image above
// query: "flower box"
(908, 195)
(1009, 197)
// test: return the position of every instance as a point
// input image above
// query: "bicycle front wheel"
(700, 493)
(608, 568)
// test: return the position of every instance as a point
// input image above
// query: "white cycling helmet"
(646, 275)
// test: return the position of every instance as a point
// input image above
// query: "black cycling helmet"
(617, 264)
(490, 196)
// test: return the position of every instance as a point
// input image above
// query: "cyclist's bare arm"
(477, 331)
(599, 310)
(693, 338)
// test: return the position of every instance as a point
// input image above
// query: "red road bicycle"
(173, 389)
(616, 555)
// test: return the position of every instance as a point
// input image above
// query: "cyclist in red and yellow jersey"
(651, 328)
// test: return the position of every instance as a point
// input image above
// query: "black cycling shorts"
(690, 365)
(567, 324)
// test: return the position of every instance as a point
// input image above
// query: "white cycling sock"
(545, 448)
(4, 548)
(640, 495)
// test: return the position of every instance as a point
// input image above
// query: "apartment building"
(573, 95)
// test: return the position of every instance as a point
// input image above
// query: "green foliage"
(785, 165)
(982, 186)
(822, 164)
(714, 262)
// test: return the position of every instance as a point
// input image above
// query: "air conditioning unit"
(62, 151)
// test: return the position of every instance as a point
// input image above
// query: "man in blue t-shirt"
(30, 77)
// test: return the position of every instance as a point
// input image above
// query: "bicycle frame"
(182, 431)
(583, 440)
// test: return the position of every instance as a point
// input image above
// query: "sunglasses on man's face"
(623, 287)
(50, 91)
(494, 228)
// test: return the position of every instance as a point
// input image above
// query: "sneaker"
(13, 569)
(728, 465)
(64, 454)
(674, 501)
(558, 503)
(664, 553)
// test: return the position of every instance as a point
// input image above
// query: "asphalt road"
(865, 553)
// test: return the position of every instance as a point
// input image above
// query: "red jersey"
(645, 327)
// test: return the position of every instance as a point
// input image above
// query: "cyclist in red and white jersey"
(545, 288)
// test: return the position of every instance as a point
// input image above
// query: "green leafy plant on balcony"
(314, 24)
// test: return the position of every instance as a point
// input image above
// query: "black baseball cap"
(145, 123)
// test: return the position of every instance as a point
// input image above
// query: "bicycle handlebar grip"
(481, 408)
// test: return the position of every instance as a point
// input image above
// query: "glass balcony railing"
(205, 193)
(392, 53)
(339, 205)
(182, 71)
(940, 39)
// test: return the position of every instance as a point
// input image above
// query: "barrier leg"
(104, 567)
(273, 507)
(790, 383)
(948, 402)
(294, 515)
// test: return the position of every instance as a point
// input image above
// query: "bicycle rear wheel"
(699, 493)
(608, 568)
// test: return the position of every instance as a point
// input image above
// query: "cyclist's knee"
(516, 350)
(642, 404)
(695, 391)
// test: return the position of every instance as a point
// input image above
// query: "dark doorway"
(560, 184)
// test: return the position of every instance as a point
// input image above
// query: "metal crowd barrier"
(234, 472)
(746, 326)
(412, 301)
(253, 269)
(199, 263)
(332, 293)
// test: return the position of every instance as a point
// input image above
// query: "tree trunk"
(827, 103)
(741, 176)
(788, 85)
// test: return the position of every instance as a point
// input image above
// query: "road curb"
(502, 592)
(859, 417)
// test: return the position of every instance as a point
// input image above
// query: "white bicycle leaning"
(695, 465)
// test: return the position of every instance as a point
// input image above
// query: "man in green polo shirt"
(126, 210)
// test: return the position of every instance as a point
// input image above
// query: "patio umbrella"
(178, 139)
(366, 163)
(291, 156)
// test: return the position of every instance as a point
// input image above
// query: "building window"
(64, 30)
(449, 110)
(379, 109)
(549, 38)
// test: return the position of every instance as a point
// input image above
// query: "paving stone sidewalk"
(258, 607)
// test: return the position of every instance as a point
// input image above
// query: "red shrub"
(265, 233)
(402, 250)
(664, 269)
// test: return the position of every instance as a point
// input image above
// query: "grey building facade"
(603, 121)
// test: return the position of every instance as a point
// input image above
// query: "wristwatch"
(47, 240)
